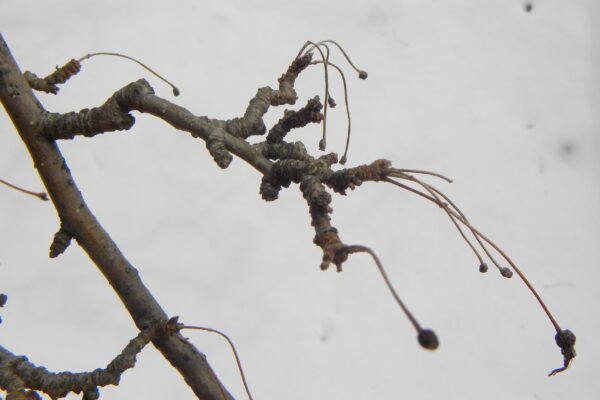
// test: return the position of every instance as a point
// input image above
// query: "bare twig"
(17, 373)
(233, 349)
(40, 195)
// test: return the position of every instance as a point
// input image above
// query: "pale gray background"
(503, 101)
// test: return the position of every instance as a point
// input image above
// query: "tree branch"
(279, 162)
(17, 373)
(27, 115)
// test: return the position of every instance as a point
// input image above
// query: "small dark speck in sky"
(528, 7)
(568, 150)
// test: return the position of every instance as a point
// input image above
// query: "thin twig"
(325, 59)
(420, 171)
(514, 267)
(40, 195)
(346, 104)
(364, 249)
(235, 353)
(504, 271)
(436, 200)
(476, 232)
(176, 91)
(406, 187)
(482, 265)
(361, 74)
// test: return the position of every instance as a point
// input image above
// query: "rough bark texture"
(28, 116)
(280, 163)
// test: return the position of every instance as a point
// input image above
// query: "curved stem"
(477, 233)
(235, 353)
(361, 74)
(346, 103)
(420, 171)
(325, 59)
(364, 249)
(176, 91)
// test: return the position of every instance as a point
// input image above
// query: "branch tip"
(428, 339)
(565, 339)
(346, 103)
(361, 74)
(506, 272)
(50, 83)
(322, 144)
(40, 195)
(331, 101)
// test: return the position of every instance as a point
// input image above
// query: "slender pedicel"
(90, 55)
(309, 46)
(346, 103)
(235, 353)
(361, 74)
(565, 339)
(325, 60)
(426, 337)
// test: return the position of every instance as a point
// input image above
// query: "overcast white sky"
(502, 100)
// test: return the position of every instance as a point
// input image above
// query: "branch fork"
(280, 164)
